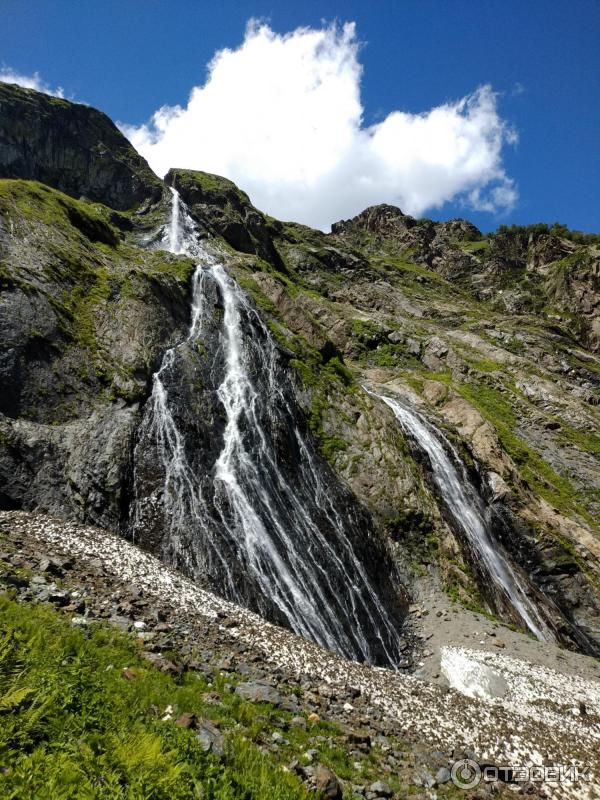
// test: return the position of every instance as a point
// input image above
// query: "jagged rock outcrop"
(71, 147)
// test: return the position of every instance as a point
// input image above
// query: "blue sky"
(541, 58)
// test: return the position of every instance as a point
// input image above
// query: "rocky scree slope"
(493, 338)
(344, 728)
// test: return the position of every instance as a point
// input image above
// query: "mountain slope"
(71, 147)
(517, 392)
(493, 339)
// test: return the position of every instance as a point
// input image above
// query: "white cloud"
(8, 75)
(282, 116)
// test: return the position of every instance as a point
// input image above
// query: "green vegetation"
(72, 727)
(474, 247)
(554, 488)
(205, 183)
(32, 201)
(464, 590)
(86, 272)
(541, 228)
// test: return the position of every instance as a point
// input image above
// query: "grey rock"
(327, 783)
(258, 693)
(211, 738)
(72, 147)
(442, 775)
(381, 789)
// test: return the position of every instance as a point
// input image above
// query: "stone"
(498, 486)
(258, 693)
(59, 597)
(359, 738)
(327, 783)
(186, 720)
(413, 347)
(396, 337)
(442, 775)
(210, 737)
(162, 663)
(381, 789)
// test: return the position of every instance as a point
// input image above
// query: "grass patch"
(71, 727)
(554, 488)
(474, 247)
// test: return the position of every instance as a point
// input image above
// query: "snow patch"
(470, 677)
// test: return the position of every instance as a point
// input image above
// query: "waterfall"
(248, 503)
(467, 511)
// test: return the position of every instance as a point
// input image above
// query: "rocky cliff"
(71, 147)
(493, 338)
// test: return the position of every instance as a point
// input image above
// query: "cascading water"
(468, 513)
(224, 464)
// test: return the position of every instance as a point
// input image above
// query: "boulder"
(327, 784)
(256, 692)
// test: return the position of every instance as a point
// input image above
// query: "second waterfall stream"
(468, 515)
(228, 483)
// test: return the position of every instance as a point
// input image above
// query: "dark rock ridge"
(71, 147)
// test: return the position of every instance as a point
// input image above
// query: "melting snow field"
(509, 711)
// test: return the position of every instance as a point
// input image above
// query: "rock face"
(230, 486)
(84, 319)
(224, 210)
(71, 147)
(493, 338)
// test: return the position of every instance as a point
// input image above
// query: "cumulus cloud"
(282, 116)
(8, 75)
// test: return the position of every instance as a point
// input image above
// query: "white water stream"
(283, 532)
(467, 510)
